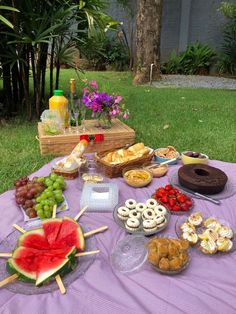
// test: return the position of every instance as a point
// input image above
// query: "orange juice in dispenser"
(60, 103)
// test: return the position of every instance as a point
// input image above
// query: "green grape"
(38, 207)
(49, 194)
(48, 182)
(56, 186)
(57, 192)
(43, 196)
(51, 202)
(48, 214)
(50, 188)
(40, 214)
(43, 202)
(38, 199)
(41, 179)
(60, 181)
(47, 202)
(53, 176)
(45, 208)
(59, 198)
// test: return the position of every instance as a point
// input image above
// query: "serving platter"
(140, 230)
(181, 220)
(229, 190)
(9, 243)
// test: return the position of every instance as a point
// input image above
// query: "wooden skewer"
(101, 229)
(80, 213)
(60, 284)
(8, 280)
(87, 253)
(54, 211)
(5, 254)
(18, 228)
(58, 277)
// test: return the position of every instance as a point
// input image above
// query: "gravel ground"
(195, 81)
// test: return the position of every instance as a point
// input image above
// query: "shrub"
(196, 59)
(102, 51)
(227, 62)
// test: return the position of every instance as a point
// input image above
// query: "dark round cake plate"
(229, 189)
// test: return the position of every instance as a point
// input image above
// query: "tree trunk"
(7, 87)
(52, 66)
(148, 36)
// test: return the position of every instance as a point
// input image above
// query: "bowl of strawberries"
(174, 199)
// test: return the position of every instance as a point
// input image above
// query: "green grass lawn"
(197, 119)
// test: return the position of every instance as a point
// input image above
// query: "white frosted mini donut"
(131, 204)
(140, 207)
(148, 214)
(132, 224)
(161, 221)
(149, 225)
(151, 203)
(123, 213)
(133, 213)
(160, 210)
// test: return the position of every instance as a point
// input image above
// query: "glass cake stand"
(129, 254)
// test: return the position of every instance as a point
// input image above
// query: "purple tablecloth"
(208, 286)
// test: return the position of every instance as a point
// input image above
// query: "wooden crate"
(104, 139)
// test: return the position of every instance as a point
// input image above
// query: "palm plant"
(44, 32)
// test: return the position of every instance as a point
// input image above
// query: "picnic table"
(207, 286)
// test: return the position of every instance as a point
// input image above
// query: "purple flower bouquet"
(104, 107)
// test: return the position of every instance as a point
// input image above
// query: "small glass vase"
(104, 121)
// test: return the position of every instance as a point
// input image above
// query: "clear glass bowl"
(140, 230)
(200, 230)
(129, 254)
(172, 272)
(140, 184)
(9, 243)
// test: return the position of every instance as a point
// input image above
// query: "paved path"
(195, 81)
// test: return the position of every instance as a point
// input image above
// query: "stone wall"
(183, 22)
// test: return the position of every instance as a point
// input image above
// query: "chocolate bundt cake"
(202, 178)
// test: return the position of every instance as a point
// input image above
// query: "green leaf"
(4, 7)
(6, 22)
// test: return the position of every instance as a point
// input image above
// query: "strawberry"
(181, 198)
(162, 190)
(164, 199)
(159, 194)
(189, 203)
(176, 191)
(184, 207)
(172, 202)
(168, 187)
(176, 208)
(172, 192)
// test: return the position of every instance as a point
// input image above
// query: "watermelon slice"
(48, 267)
(51, 229)
(34, 239)
(70, 235)
(39, 266)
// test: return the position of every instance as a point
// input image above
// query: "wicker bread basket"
(113, 171)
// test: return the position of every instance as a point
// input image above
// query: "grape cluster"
(26, 193)
(38, 196)
(51, 195)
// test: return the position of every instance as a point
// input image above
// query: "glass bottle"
(73, 105)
